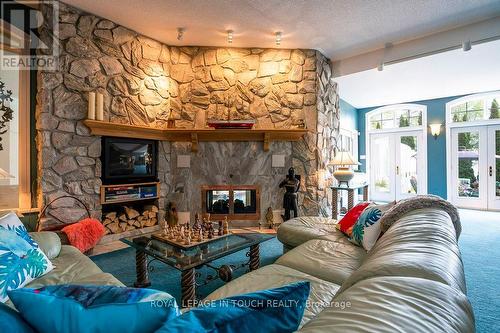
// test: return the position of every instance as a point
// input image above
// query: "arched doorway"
(396, 149)
(473, 151)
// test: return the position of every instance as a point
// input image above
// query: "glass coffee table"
(188, 260)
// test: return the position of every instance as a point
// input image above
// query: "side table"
(350, 196)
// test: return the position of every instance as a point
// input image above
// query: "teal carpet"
(479, 243)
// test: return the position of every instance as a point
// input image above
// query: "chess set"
(187, 236)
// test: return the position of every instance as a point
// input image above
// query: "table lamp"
(4, 174)
(343, 160)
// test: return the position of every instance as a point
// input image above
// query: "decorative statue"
(171, 216)
(270, 218)
(291, 185)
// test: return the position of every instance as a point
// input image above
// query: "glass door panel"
(407, 165)
(468, 167)
(382, 167)
(494, 167)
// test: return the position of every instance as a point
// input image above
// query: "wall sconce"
(278, 38)
(435, 130)
(230, 36)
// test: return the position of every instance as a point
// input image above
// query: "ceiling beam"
(476, 33)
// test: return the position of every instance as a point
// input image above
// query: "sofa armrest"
(49, 243)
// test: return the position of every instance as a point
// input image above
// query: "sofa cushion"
(273, 276)
(329, 261)
(49, 243)
(396, 304)
(420, 244)
(301, 229)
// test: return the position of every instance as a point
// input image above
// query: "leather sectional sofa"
(411, 281)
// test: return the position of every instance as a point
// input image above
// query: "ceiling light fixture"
(230, 36)
(180, 33)
(278, 38)
(466, 46)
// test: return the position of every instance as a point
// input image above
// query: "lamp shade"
(4, 174)
(343, 158)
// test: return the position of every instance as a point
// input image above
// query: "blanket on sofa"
(418, 202)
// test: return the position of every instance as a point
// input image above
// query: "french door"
(397, 165)
(475, 167)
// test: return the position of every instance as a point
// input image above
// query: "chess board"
(180, 244)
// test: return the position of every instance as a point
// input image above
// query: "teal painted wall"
(436, 148)
(348, 115)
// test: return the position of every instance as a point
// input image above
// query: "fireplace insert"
(238, 202)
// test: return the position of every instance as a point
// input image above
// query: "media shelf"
(121, 193)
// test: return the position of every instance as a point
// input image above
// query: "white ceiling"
(338, 28)
(446, 74)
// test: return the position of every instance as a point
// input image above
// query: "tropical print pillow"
(21, 260)
(367, 229)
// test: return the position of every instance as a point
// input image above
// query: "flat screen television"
(129, 160)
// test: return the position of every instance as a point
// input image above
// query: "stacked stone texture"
(145, 83)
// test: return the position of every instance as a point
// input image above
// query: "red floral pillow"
(349, 219)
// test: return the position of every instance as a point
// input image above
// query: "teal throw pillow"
(86, 309)
(12, 322)
(21, 260)
(271, 311)
(367, 229)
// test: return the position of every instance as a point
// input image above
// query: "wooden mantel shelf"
(194, 135)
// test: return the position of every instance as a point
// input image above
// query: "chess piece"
(210, 231)
(200, 236)
(220, 231)
(226, 226)
(270, 218)
(187, 240)
(197, 223)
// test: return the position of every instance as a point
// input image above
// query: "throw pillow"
(12, 322)
(349, 219)
(280, 310)
(367, 229)
(82, 309)
(85, 234)
(21, 260)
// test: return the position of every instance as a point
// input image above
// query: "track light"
(466, 46)
(230, 36)
(380, 67)
(180, 33)
(278, 38)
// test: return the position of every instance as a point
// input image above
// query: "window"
(15, 189)
(476, 108)
(396, 118)
(348, 141)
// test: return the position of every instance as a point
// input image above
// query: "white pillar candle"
(91, 109)
(100, 107)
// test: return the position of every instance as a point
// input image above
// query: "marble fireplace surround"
(145, 82)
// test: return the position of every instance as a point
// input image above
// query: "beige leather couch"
(411, 281)
(71, 266)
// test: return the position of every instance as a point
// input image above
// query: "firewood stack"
(130, 219)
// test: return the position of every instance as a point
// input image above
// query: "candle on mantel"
(91, 109)
(100, 107)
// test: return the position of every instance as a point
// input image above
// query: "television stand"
(120, 193)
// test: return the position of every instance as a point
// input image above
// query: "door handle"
(491, 171)
(397, 170)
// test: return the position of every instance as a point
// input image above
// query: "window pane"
(408, 169)
(9, 156)
(494, 108)
(497, 163)
(381, 167)
(468, 164)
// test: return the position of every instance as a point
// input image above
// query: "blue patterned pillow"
(272, 311)
(21, 260)
(88, 309)
(366, 230)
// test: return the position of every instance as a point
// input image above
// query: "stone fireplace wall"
(145, 82)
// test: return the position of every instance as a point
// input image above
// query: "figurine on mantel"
(291, 185)
(171, 217)
(270, 218)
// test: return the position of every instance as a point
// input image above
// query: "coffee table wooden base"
(141, 270)
(188, 288)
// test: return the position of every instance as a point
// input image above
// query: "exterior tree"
(494, 110)
(6, 113)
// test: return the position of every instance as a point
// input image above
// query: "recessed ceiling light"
(230, 36)
(180, 33)
(278, 38)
